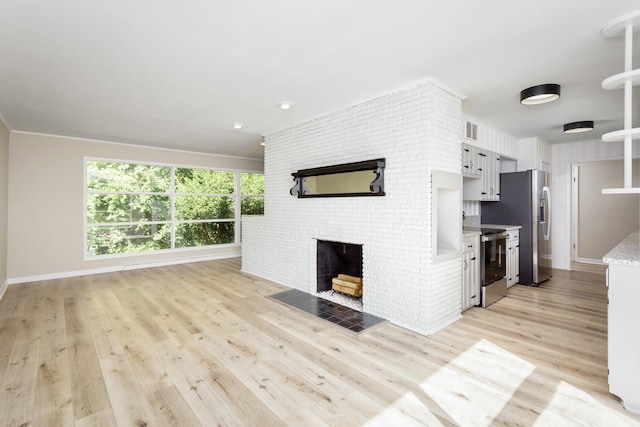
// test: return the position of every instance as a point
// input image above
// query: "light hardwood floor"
(202, 344)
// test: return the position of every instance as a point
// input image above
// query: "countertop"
(476, 231)
(471, 231)
(626, 252)
(506, 227)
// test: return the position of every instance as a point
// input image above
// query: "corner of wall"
(4, 197)
(3, 288)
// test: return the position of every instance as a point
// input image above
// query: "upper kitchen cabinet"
(484, 183)
(470, 161)
(534, 153)
(486, 152)
(490, 165)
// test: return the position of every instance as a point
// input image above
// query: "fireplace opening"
(339, 273)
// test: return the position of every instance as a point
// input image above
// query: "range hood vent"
(471, 131)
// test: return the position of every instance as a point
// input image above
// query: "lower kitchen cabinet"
(513, 257)
(623, 337)
(470, 271)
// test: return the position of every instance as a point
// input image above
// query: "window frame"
(172, 222)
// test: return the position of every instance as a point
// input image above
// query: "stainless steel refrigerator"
(525, 199)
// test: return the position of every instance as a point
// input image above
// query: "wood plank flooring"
(202, 344)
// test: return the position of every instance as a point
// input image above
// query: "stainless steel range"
(493, 269)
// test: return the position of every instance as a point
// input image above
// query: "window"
(132, 208)
(252, 192)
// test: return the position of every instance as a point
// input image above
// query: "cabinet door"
(469, 160)
(623, 339)
(510, 272)
(470, 273)
(485, 174)
(495, 178)
(513, 258)
(466, 153)
(466, 297)
(474, 278)
(516, 261)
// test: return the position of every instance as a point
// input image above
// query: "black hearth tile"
(334, 319)
(346, 317)
(356, 328)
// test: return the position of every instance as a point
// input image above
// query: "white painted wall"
(417, 130)
(621, 212)
(564, 155)
(46, 205)
(4, 198)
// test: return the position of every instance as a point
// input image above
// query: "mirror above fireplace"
(365, 178)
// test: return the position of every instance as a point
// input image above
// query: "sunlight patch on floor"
(563, 407)
(475, 386)
(406, 411)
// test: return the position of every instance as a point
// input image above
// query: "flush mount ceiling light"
(540, 94)
(285, 105)
(577, 127)
(237, 126)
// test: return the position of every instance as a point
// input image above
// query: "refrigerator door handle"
(547, 196)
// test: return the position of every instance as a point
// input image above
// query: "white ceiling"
(178, 74)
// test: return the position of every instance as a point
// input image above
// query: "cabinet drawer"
(469, 244)
(514, 234)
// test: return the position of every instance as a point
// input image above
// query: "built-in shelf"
(617, 27)
(620, 135)
(624, 190)
(624, 25)
(446, 215)
(618, 81)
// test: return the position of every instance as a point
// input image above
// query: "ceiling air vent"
(471, 131)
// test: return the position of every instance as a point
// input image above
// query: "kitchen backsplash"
(471, 221)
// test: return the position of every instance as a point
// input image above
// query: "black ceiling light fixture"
(577, 127)
(540, 94)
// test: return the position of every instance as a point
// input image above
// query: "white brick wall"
(416, 130)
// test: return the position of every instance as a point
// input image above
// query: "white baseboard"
(3, 288)
(590, 261)
(124, 267)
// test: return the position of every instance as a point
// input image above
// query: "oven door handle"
(492, 237)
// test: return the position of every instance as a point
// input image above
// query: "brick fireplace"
(416, 130)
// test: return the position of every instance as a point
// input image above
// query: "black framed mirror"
(365, 178)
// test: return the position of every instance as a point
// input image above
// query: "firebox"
(337, 258)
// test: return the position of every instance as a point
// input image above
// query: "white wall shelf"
(620, 135)
(624, 25)
(618, 81)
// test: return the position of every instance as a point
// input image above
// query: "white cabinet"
(534, 153)
(490, 163)
(513, 257)
(470, 161)
(470, 271)
(623, 337)
(481, 169)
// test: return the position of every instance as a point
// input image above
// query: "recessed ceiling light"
(237, 126)
(285, 105)
(577, 127)
(540, 94)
